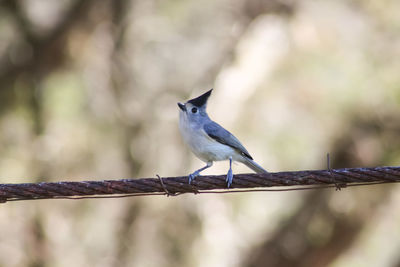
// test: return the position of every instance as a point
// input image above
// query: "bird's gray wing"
(218, 133)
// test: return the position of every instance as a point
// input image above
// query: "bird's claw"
(192, 176)
(229, 178)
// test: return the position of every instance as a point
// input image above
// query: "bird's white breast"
(202, 145)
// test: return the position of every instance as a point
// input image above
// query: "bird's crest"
(200, 100)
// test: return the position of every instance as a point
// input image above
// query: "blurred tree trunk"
(295, 243)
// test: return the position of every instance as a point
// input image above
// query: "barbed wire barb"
(174, 186)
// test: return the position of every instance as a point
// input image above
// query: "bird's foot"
(229, 178)
(193, 175)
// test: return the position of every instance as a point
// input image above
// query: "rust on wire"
(173, 186)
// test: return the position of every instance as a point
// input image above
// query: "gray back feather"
(218, 133)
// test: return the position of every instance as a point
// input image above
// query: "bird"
(208, 140)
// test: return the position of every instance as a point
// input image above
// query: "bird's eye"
(194, 110)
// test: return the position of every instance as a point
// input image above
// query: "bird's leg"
(197, 173)
(229, 176)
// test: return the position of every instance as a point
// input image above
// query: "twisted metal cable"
(338, 178)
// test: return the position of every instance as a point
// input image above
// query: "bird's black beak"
(182, 106)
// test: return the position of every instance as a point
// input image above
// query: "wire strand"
(213, 184)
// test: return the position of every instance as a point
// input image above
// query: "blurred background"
(88, 91)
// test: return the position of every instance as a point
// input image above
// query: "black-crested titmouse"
(208, 140)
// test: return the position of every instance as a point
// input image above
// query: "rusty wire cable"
(172, 186)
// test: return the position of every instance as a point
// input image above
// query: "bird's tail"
(253, 165)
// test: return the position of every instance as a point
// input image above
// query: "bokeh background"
(88, 90)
